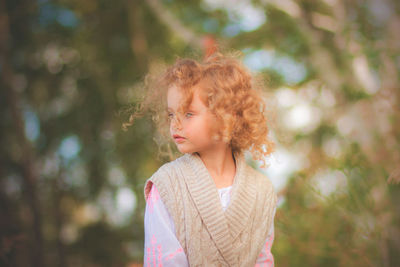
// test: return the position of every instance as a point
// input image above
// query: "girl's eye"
(171, 115)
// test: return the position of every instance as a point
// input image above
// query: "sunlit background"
(71, 181)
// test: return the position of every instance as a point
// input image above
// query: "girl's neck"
(220, 163)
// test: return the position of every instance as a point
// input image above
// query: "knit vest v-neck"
(209, 235)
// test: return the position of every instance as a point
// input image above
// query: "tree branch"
(174, 24)
(26, 161)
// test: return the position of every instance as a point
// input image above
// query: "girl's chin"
(184, 150)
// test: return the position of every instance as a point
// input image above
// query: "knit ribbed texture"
(208, 235)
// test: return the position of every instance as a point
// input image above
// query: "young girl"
(209, 207)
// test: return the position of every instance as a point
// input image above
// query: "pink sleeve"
(265, 258)
(161, 247)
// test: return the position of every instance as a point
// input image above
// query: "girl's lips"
(179, 139)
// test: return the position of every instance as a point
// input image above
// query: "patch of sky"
(125, 203)
(12, 185)
(259, 60)
(69, 147)
(282, 165)
(250, 17)
(292, 71)
(77, 175)
(32, 125)
(119, 206)
(116, 176)
(243, 15)
(50, 13)
(380, 12)
(67, 18)
(211, 25)
(330, 182)
(247, 50)
(231, 30)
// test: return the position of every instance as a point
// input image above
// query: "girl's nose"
(176, 124)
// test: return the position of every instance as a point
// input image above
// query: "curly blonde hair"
(231, 93)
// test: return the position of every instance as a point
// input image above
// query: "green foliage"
(70, 68)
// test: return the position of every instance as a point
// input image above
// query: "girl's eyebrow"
(191, 109)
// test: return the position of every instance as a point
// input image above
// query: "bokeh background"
(71, 181)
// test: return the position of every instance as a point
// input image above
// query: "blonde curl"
(230, 91)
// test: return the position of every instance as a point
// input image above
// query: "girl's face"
(195, 126)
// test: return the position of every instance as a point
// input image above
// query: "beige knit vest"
(209, 235)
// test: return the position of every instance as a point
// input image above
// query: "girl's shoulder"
(260, 179)
(264, 188)
(164, 176)
(169, 167)
(161, 175)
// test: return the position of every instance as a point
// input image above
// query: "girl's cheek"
(213, 128)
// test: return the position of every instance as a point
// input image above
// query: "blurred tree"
(71, 181)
